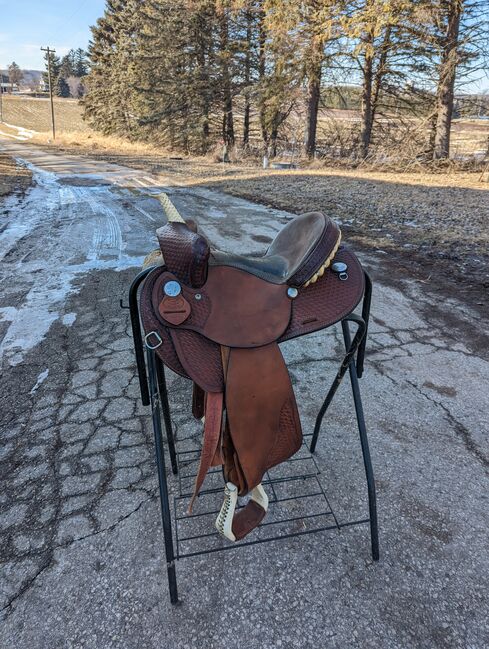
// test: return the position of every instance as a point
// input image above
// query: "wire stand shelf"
(298, 504)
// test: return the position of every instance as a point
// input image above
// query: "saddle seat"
(299, 254)
(304, 247)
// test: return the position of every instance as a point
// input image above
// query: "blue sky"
(26, 25)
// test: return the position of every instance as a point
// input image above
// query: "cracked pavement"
(81, 541)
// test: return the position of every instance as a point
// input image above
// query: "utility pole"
(49, 51)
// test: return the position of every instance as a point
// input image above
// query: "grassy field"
(35, 114)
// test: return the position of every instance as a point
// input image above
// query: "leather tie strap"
(210, 442)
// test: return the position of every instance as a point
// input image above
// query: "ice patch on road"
(40, 379)
(31, 214)
(30, 323)
(68, 319)
(68, 232)
(7, 313)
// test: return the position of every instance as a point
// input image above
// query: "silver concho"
(292, 292)
(172, 288)
(340, 268)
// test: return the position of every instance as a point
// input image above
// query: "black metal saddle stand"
(154, 393)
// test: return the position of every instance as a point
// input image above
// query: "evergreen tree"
(62, 89)
(80, 63)
(460, 37)
(55, 68)
(67, 65)
(177, 73)
(107, 104)
(197, 72)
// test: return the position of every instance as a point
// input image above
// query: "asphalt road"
(82, 552)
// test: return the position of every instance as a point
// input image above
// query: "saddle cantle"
(218, 318)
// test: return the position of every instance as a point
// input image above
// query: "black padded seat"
(296, 253)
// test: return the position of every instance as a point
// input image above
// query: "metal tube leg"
(160, 463)
(367, 462)
(351, 349)
(322, 412)
(160, 375)
(367, 300)
(137, 335)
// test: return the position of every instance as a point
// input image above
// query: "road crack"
(461, 430)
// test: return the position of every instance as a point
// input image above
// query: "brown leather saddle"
(218, 318)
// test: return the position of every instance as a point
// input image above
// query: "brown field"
(35, 114)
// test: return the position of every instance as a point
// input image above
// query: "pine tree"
(62, 89)
(67, 66)
(448, 15)
(193, 73)
(177, 73)
(80, 63)
(280, 73)
(55, 68)
(107, 104)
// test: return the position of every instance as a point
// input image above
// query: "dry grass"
(91, 142)
(35, 114)
(336, 131)
(13, 176)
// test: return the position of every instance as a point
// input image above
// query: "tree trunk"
(272, 149)
(261, 75)
(228, 120)
(367, 114)
(446, 82)
(380, 72)
(204, 91)
(313, 95)
(247, 80)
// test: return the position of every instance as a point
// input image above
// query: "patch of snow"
(23, 134)
(32, 320)
(81, 234)
(68, 319)
(31, 213)
(7, 313)
(40, 379)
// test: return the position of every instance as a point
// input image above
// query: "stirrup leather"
(235, 526)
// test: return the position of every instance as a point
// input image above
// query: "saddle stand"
(218, 319)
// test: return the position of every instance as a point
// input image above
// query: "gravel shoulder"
(14, 177)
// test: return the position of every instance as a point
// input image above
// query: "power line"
(78, 8)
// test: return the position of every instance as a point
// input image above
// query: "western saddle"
(218, 318)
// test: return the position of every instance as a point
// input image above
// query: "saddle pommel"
(185, 253)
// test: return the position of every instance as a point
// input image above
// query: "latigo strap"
(212, 433)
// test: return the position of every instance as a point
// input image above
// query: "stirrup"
(225, 518)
